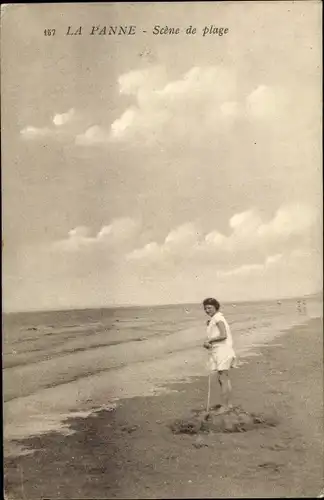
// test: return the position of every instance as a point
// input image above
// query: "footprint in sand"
(275, 447)
(270, 466)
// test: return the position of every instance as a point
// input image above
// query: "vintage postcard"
(162, 249)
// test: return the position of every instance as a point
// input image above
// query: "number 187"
(49, 32)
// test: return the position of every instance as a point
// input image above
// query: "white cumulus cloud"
(251, 244)
(185, 236)
(135, 81)
(62, 119)
(150, 253)
(273, 259)
(59, 128)
(290, 220)
(178, 243)
(79, 232)
(31, 132)
(92, 136)
(121, 231)
(203, 102)
(119, 127)
(251, 240)
(196, 102)
(265, 102)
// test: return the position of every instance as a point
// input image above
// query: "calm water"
(60, 362)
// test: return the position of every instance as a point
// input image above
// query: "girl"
(221, 353)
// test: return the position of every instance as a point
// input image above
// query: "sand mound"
(236, 420)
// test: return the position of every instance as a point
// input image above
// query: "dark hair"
(211, 302)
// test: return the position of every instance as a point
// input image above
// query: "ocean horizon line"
(171, 304)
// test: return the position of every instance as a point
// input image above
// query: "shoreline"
(81, 381)
(131, 452)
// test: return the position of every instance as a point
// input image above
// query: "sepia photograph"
(162, 252)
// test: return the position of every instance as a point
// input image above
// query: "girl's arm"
(223, 334)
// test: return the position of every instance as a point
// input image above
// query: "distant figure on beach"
(220, 346)
(301, 306)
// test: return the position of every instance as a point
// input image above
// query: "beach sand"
(130, 452)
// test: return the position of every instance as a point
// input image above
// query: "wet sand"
(131, 453)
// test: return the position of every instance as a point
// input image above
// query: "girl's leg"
(226, 387)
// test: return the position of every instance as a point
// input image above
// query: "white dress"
(221, 355)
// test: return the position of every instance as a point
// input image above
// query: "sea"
(58, 364)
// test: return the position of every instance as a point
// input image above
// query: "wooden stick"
(208, 397)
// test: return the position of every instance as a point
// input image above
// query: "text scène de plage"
(131, 30)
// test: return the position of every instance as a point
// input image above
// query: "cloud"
(274, 259)
(186, 265)
(119, 233)
(252, 237)
(203, 102)
(182, 237)
(245, 270)
(290, 220)
(179, 243)
(202, 95)
(150, 253)
(78, 238)
(59, 128)
(265, 102)
(254, 269)
(64, 118)
(250, 240)
(219, 82)
(31, 132)
(133, 82)
(119, 127)
(92, 136)
(290, 273)
(231, 109)
(252, 248)
(79, 232)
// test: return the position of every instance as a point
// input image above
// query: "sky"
(153, 169)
